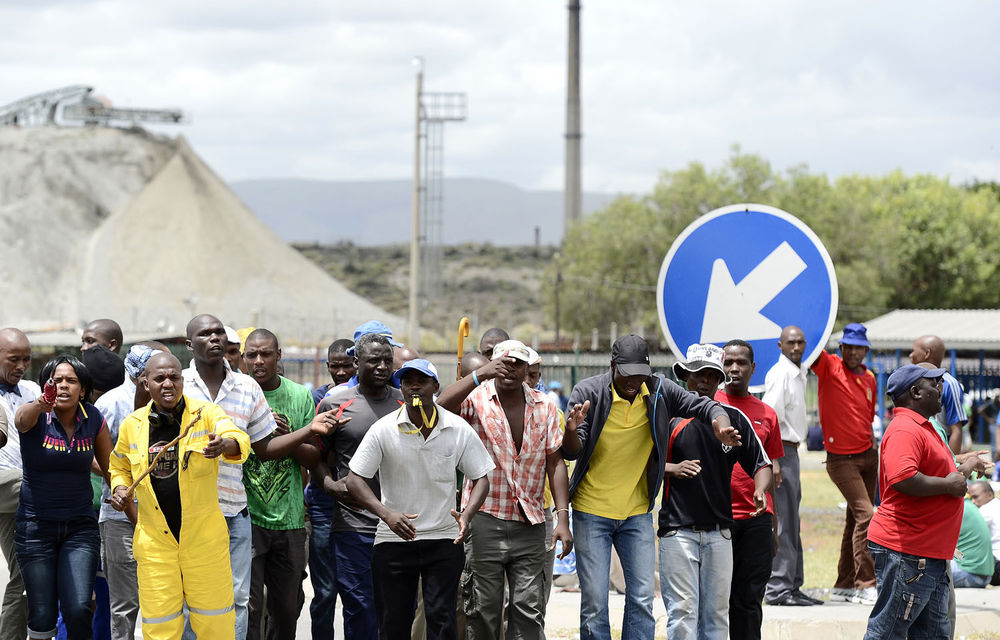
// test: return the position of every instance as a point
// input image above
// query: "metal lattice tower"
(433, 110)
(438, 108)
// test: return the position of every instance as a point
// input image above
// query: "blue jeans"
(353, 552)
(912, 597)
(240, 559)
(322, 572)
(633, 538)
(964, 580)
(696, 573)
(102, 611)
(58, 560)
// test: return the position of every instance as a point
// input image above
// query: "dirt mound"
(123, 224)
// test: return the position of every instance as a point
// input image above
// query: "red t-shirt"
(765, 425)
(846, 405)
(927, 527)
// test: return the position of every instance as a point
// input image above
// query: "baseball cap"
(855, 334)
(374, 326)
(512, 349)
(418, 364)
(555, 384)
(106, 369)
(631, 355)
(906, 376)
(534, 357)
(702, 356)
(232, 337)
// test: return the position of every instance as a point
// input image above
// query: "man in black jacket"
(617, 419)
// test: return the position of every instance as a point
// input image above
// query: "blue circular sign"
(747, 271)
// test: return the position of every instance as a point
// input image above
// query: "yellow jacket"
(197, 475)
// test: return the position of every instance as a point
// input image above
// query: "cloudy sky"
(323, 89)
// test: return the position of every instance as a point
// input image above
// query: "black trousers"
(753, 549)
(396, 569)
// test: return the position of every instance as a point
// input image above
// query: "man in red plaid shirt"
(520, 428)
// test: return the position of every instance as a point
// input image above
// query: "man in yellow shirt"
(616, 420)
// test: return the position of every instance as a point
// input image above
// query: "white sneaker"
(866, 596)
(842, 595)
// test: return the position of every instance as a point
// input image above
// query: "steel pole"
(414, 340)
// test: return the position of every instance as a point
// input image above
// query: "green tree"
(896, 241)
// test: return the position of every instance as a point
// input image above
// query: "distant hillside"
(379, 212)
(493, 286)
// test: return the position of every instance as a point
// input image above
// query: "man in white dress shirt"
(15, 358)
(785, 392)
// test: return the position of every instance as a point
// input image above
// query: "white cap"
(231, 336)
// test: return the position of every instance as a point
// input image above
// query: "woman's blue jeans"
(58, 560)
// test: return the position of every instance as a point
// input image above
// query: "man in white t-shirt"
(416, 451)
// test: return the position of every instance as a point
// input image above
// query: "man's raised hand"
(326, 423)
(726, 432)
(576, 415)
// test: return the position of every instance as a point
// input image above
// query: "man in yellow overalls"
(181, 543)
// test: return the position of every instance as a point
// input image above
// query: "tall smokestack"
(573, 195)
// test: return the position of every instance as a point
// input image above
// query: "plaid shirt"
(243, 400)
(517, 484)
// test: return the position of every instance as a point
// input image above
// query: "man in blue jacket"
(618, 418)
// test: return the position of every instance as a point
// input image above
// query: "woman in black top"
(56, 537)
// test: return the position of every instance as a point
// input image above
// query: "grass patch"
(822, 522)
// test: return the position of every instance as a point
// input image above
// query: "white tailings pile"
(103, 222)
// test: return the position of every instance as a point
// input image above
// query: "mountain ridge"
(379, 212)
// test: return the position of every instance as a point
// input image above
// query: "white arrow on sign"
(733, 310)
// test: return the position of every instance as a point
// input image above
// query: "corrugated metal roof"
(971, 329)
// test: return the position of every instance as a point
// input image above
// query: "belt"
(703, 528)
(790, 443)
(699, 528)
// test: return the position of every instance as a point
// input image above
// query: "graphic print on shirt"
(58, 444)
(166, 466)
(268, 479)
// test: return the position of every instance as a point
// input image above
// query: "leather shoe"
(790, 599)
(808, 597)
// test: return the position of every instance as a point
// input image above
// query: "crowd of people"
(196, 500)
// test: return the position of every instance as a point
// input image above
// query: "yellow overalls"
(196, 568)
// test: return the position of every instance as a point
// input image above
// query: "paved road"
(978, 612)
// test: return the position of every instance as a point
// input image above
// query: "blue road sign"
(746, 271)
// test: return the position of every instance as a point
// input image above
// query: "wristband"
(475, 378)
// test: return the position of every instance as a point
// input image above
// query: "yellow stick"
(463, 333)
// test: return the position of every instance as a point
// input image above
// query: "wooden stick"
(156, 458)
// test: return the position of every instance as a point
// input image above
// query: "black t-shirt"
(706, 499)
(163, 428)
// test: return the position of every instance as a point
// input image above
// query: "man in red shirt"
(753, 534)
(914, 533)
(846, 409)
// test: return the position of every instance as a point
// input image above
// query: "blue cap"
(370, 327)
(906, 376)
(555, 384)
(418, 364)
(855, 334)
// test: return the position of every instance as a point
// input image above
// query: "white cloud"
(325, 90)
